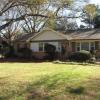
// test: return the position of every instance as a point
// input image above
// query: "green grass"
(49, 81)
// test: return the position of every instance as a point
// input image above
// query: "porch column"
(68, 49)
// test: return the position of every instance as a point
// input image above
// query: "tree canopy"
(30, 16)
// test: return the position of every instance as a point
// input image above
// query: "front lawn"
(49, 81)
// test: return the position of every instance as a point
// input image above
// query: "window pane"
(99, 45)
(59, 46)
(40, 46)
(77, 46)
(92, 46)
(85, 46)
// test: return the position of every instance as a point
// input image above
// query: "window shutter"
(73, 46)
(96, 45)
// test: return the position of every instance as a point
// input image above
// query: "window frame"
(79, 45)
(59, 47)
(86, 44)
(41, 47)
(92, 46)
(99, 45)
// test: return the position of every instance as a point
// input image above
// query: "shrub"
(25, 53)
(93, 52)
(9, 52)
(80, 56)
(93, 56)
(92, 60)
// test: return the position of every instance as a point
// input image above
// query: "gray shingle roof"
(64, 37)
(30, 37)
(93, 34)
(84, 34)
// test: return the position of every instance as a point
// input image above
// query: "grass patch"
(49, 81)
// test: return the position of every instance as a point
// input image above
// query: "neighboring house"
(65, 43)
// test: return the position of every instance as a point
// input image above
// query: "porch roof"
(93, 34)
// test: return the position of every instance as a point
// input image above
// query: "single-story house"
(70, 42)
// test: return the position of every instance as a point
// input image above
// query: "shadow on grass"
(4, 88)
(50, 87)
(20, 60)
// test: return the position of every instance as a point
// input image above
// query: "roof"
(46, 30)
(93, 34)
(89, 34)
(32, 37)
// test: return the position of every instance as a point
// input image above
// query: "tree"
(89, 12)
(10, 5)
(61, 5)
(69, 14)
(13, 29)
(32, 15)
(97, 18)
(92, 17)
(33, 24)
(97, 21)
(65, 24)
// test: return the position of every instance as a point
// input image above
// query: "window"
(99, 45)
(77, 46)
(41, 46)
(85, 46)
(92, 46)
(59, 47)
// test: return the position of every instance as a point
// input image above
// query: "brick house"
(71, 41)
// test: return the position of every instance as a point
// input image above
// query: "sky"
(97, 2)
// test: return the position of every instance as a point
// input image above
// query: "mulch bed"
(18, 60)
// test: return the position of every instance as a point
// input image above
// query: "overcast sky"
(97, 2)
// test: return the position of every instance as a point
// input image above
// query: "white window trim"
(42, 47)
(78, 46)
(91, 46)
(99, 44)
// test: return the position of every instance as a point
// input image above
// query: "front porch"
(62, 51)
